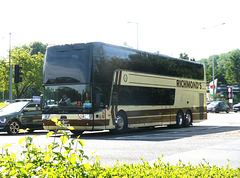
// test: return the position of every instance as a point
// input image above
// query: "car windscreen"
(13, 107)
(213, 103)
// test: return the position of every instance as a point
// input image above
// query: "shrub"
(67, 159)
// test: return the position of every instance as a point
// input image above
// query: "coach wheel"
(13, 127)
(180, 119)
(121, 123)
(188, 119)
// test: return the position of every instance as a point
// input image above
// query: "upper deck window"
(67, 64)
(109, 58)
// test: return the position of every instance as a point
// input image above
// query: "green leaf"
(23, 171)
(7, 145)
(21, 140)
(49, 134)
(64, 139)
(87, 165)
(81, 142)
(58, 123)
(47, 158)
(97, 158)
(73, 159)
(29, 165)
(54, 119)
(70, 128)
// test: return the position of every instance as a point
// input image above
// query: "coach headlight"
(3, 120)
(85, 116)
(45, 116)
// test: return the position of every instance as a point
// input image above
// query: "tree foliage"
(4, 73)
(32, 70)
(226, 67)
(37, 47)
(233, 67)
(185, 56)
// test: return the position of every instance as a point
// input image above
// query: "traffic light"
(18, 73)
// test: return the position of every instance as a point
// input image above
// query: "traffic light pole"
(10, 83)
(10, 71)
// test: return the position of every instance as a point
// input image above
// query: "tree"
(4, 73)
(233, 67)
(36, 47)
(219, 68)
(183, 56)
(32, 70)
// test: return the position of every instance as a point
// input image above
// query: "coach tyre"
(188, 119)
(13, 127)
(179, 119)
(121, 122)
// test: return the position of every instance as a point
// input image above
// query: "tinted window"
(67, 64)
(31, 106)
(79, 96)
(131, 95)
(102, 95)
(109, 58)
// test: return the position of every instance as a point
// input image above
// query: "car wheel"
(227, 111)
(217, 111)
(13, 127)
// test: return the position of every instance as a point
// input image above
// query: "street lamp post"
(213, 62)
(137, 31)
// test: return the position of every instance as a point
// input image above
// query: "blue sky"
(168, 26)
